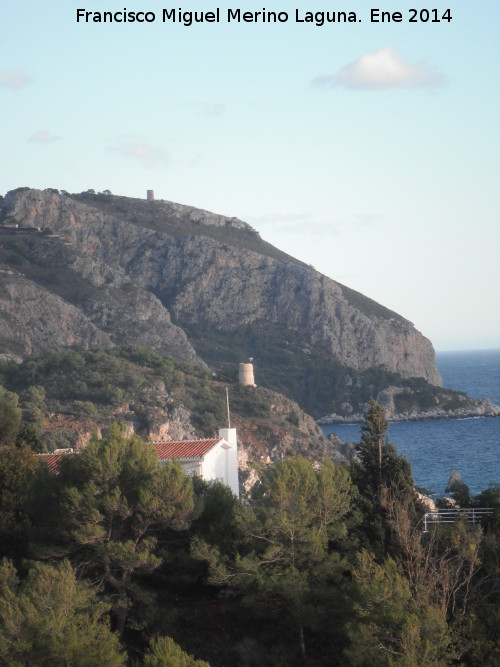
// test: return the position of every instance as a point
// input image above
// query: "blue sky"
(370, 151)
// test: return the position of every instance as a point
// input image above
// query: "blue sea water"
(435, 448)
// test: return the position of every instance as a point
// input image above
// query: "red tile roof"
(53, 461)
(185, 449)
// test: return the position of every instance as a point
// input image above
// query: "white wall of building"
(220, 463)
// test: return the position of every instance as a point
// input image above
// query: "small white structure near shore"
(212, 459)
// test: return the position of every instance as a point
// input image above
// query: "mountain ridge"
(154, 272)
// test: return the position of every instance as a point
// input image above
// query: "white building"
(210, 458)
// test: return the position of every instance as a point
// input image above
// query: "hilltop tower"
(150, 195)
(245, 375)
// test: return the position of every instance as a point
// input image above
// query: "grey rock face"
(108, 307)
(182, 212)
(385, 398)
(32, 319)
(471, 408)
(144, 272)
(339, 451)
(241, 287)
(455, 482)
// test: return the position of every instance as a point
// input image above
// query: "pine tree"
(10, 416)
(18, 466)
(285, 553)
(52, 620)
(379, 473)
(114, 501)
(389, 626)
(164, 652)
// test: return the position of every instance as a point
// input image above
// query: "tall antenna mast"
(228, 413)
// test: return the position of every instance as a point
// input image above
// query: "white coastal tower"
(245, 375)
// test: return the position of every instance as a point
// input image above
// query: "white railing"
(470, 514)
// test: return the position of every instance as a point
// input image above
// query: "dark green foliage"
(482, 645)
(218, 520)
(164, 652)
(284, 558)
(315, 379)
(390, 627)
(378, 472)
(10, 416)
(52, 620)
(489, 497)
(62, 438)
(34, 406)
(29, 435)
(250, 401)
(461, 494)
(100, 376)
(84, 409)
(209, 413)
(114, 499)
(424, 396)
(90, 385)
(18, 466)
(80, 376)
(312, 572)
(285, 362)
(68, 382)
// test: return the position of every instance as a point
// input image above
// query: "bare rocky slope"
(100, 270)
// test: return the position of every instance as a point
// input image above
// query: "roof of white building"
(182, 449)
(185, 449)
(53, 461)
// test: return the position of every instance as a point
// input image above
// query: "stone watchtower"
(245, 375)
(150, 195)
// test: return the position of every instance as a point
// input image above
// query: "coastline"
(484, 408)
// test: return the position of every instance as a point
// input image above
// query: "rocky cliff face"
(247, 288)
(108, 269)
(33, 319)
(63, 286)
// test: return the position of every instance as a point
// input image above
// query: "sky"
(369, 150)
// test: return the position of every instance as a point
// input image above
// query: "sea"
(436, 447)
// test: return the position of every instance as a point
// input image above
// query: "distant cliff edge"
(97, 270)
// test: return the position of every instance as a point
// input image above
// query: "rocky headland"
(99, 270)
(463, 407)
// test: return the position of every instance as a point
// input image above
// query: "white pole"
(228, 414)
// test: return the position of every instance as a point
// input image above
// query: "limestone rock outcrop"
(33, 319)
(455, 482)
(106, 270)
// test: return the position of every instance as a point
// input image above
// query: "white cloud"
(14, 80)
(141, 150)
(42, 137)
(381, 70)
